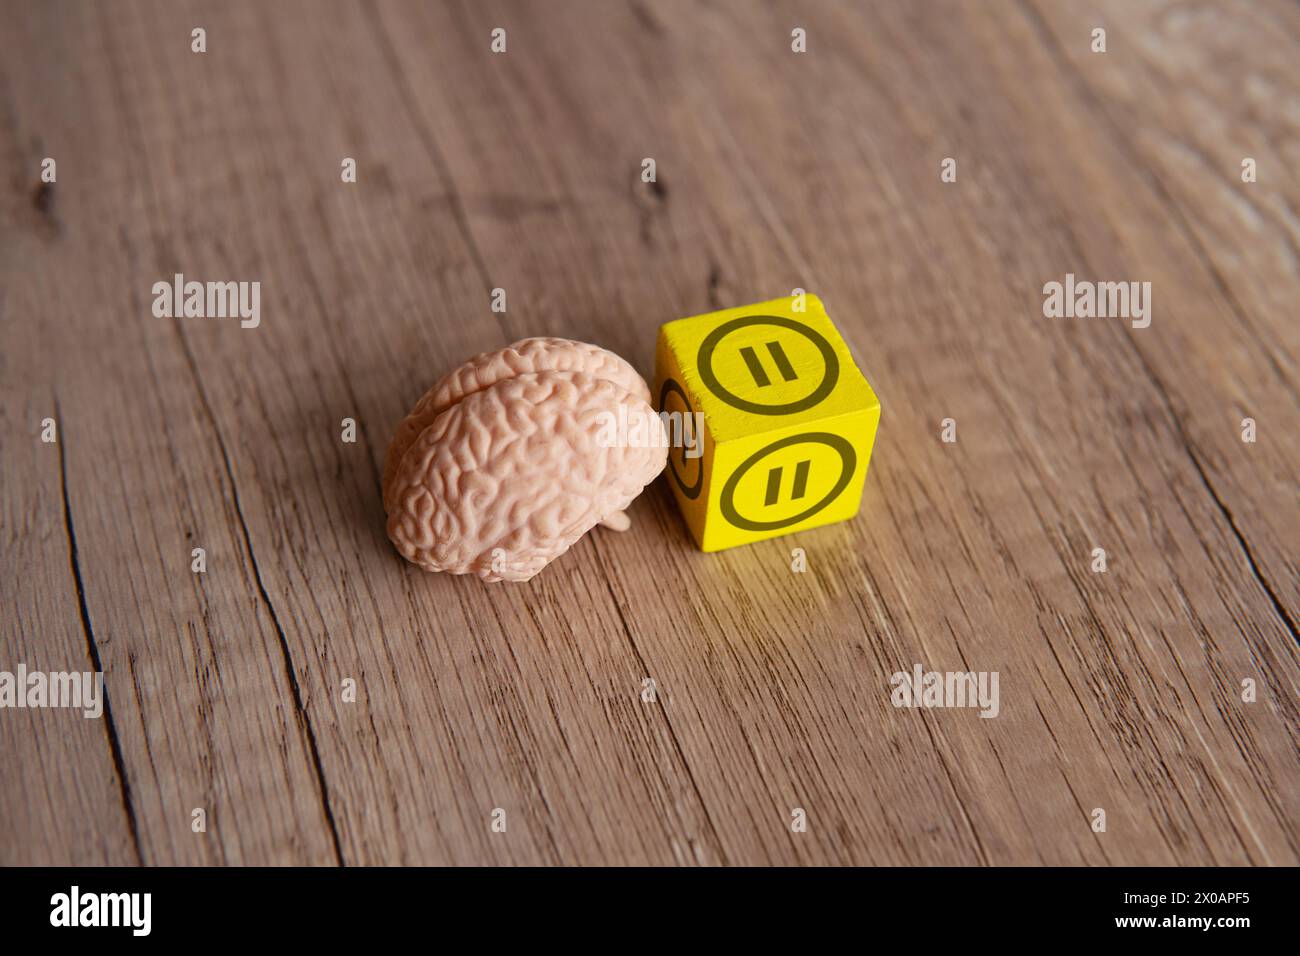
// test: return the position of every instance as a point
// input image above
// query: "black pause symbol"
(800, 483)
(778, 356)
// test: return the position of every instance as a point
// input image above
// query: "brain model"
(507, 461)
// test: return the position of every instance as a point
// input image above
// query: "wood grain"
(776, 170)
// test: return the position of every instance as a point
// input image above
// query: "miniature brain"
(506, 461)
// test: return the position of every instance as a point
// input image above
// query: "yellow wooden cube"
(788, 418)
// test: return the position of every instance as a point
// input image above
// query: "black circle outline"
(693, 492)
(848, 456)
(705, 363)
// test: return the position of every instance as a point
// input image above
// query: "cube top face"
(788, 421)
(764, 367)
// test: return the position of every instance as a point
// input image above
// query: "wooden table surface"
(1125, 691)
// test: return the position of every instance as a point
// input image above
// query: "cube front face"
(789, 421)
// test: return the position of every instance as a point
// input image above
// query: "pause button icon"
(755, 365)
(800, 483)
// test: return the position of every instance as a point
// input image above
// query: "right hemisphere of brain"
(517, 467)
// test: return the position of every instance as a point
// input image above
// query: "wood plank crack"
(1158, 188)
(74, 561)
(300, 712)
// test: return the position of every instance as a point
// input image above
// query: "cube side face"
(766, 366)
(688, 474)
(788, 479)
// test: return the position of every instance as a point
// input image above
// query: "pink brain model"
(505, 463)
